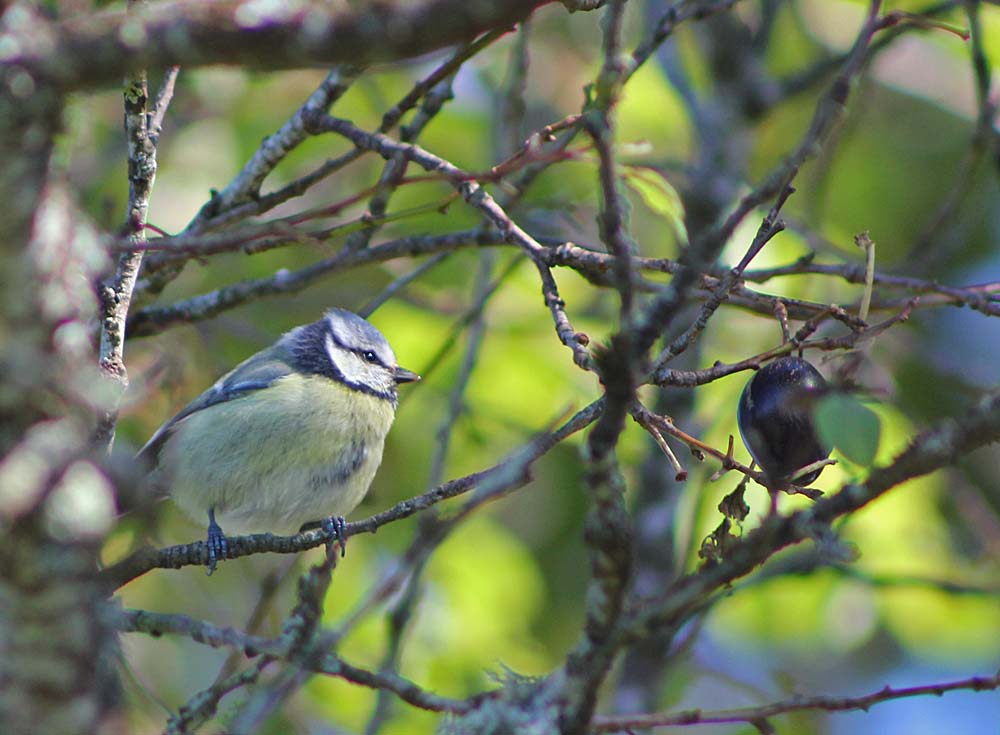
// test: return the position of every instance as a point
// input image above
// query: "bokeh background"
(919, 602)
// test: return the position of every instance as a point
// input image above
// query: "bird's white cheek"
(352, 367)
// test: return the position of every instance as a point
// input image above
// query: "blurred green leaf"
(658, 194)
(850, 426)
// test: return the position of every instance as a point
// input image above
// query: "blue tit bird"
(291, 436)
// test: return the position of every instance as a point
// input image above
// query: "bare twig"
(241, 199)
(141, 621)
(704, 251)
(770, 227)
(116, 296)
(246, 185)
(456, 397)
(477, 197)
(608, 532)
(202, 707)
(795, 704)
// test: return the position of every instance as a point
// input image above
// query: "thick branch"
(256, 35)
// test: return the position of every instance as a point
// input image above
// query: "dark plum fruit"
(776, 419)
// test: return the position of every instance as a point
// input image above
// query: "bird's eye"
(370, 356)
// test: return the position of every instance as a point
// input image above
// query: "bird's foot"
(334, 527)
(218, 546)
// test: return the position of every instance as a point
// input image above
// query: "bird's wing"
(255, 373)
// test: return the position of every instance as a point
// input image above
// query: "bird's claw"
(334, 528)
(218, 546)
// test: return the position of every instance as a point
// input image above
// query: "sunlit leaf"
(658, 194)
(850, 426)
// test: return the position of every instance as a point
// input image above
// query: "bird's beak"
(402, 375)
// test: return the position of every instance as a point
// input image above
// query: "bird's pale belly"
(272, 471)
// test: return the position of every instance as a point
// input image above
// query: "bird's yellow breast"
(303, 448)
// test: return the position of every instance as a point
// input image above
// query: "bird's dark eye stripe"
(366, 355)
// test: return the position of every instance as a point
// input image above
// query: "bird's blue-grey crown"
(344, 347)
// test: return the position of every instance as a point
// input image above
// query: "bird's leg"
(218, 547)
